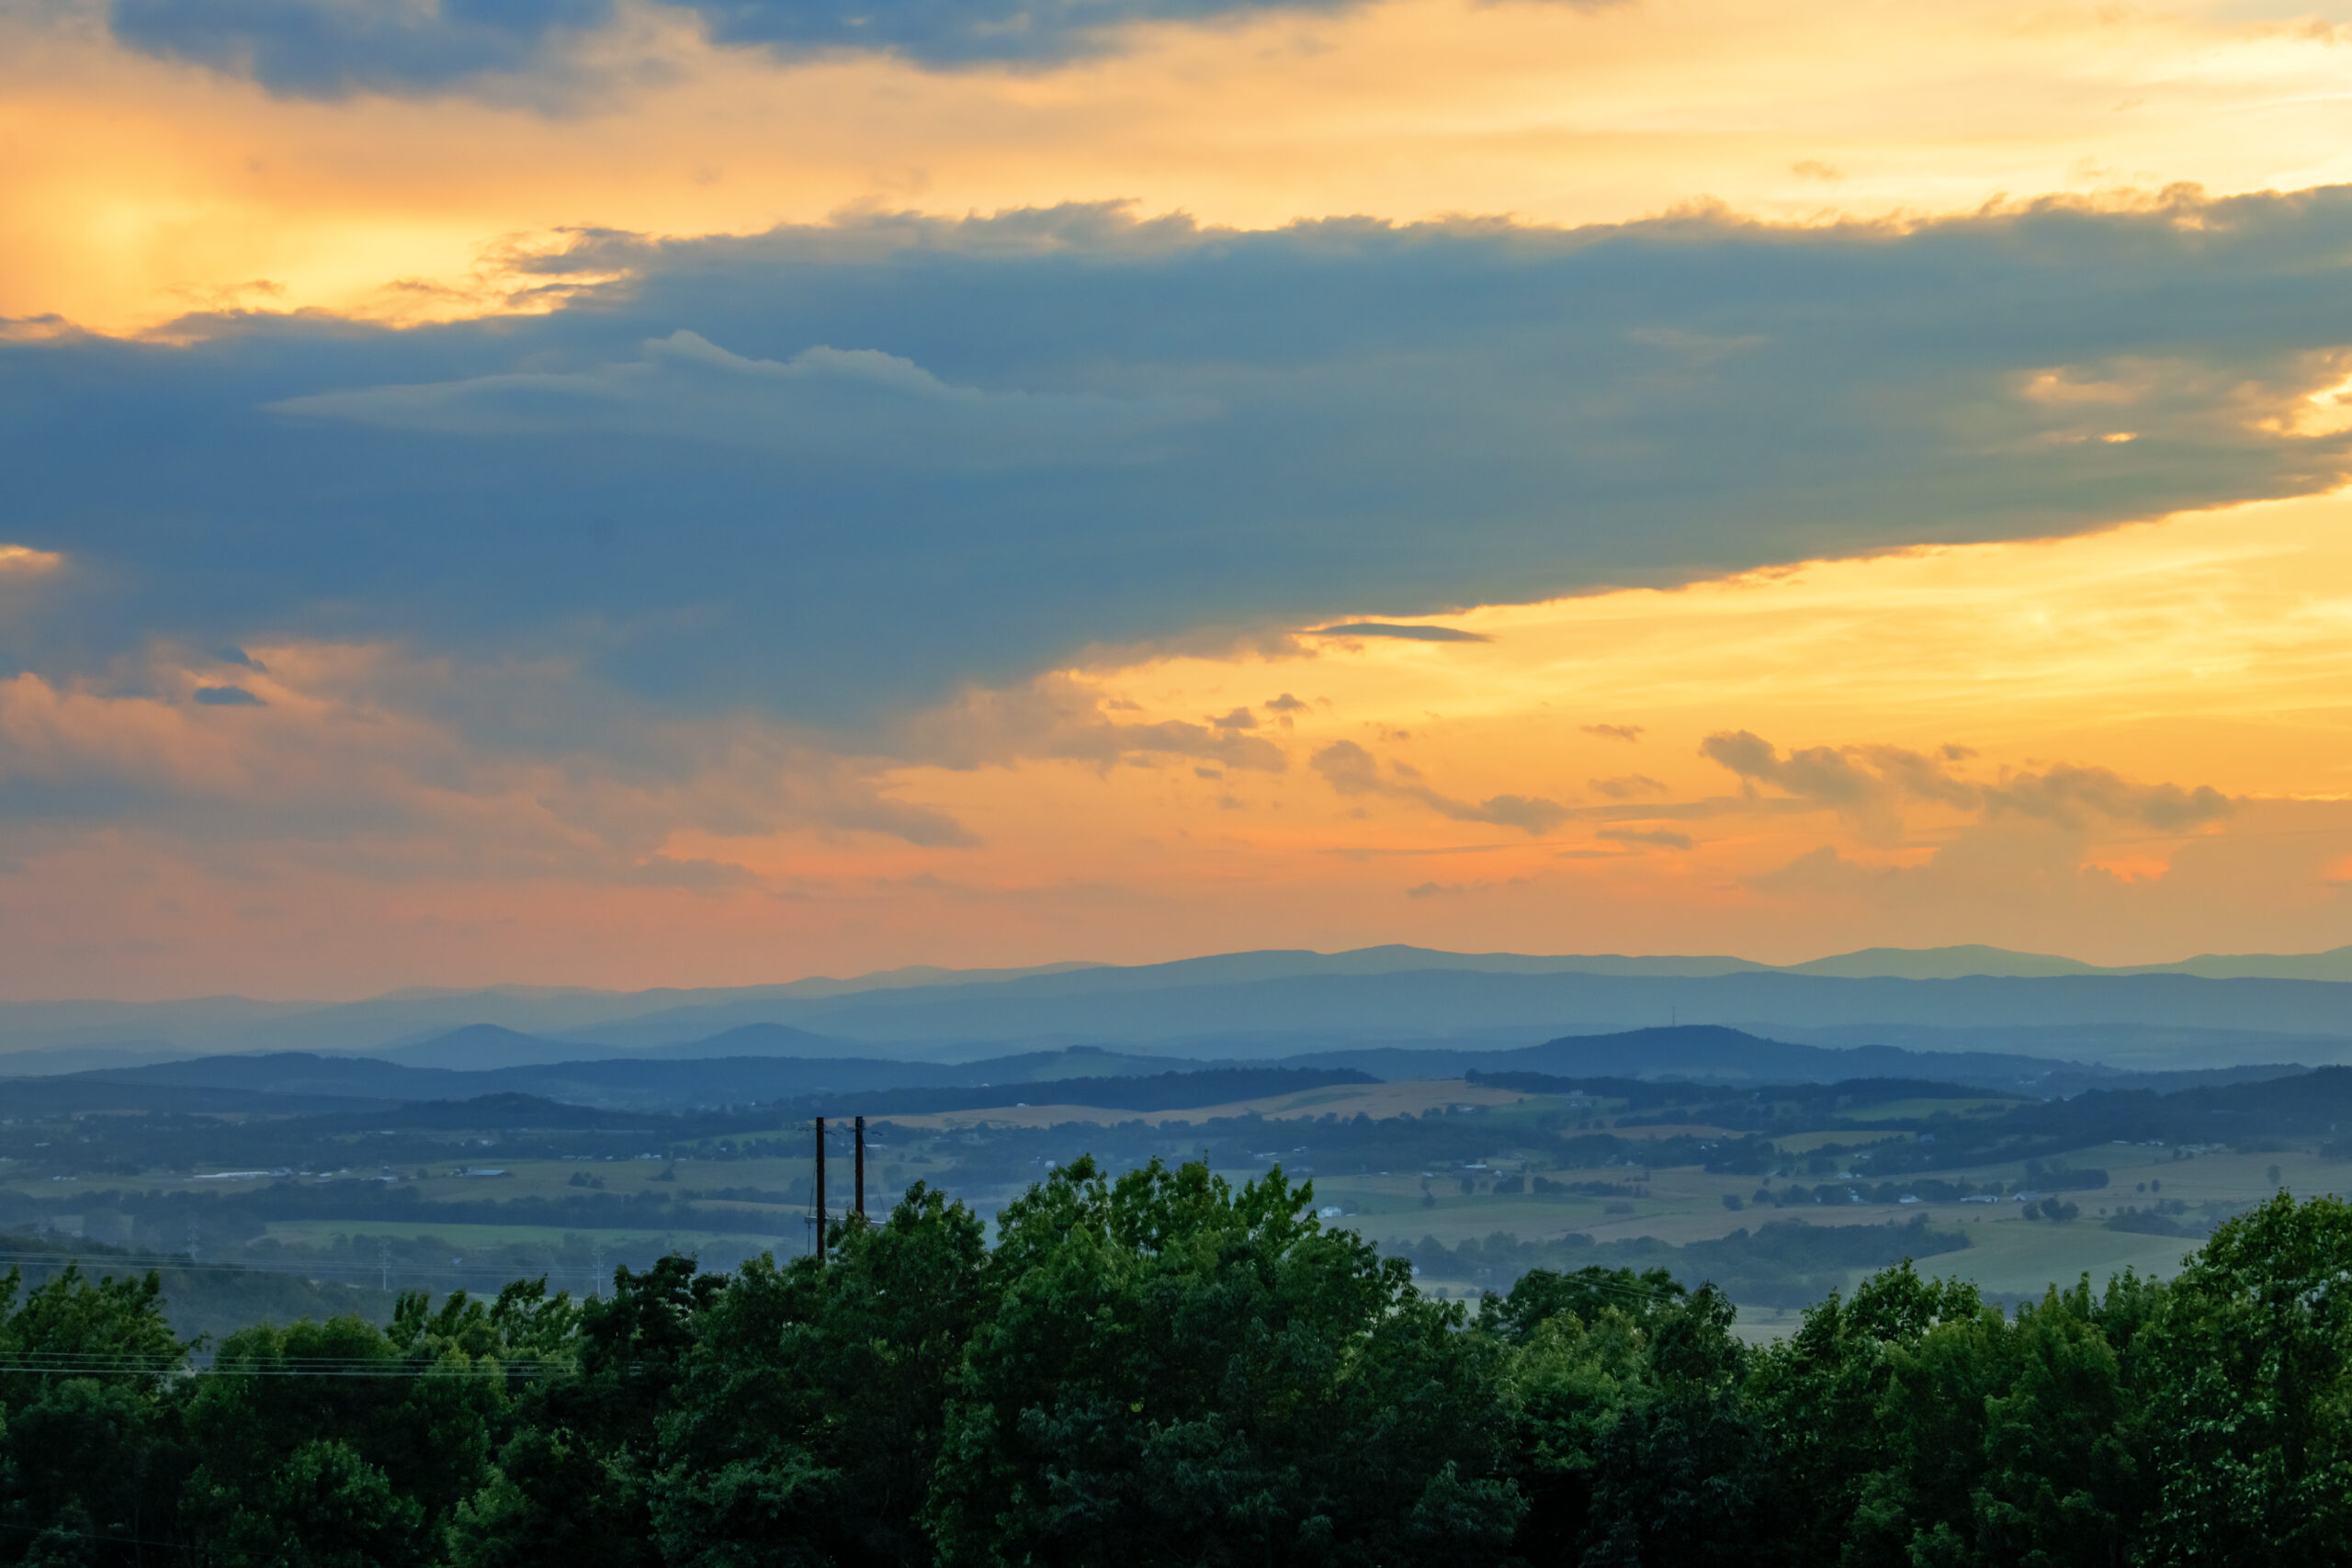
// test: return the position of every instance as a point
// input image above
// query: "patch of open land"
(1377, 1101)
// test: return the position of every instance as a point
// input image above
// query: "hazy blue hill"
(487, 1046)
(297, 1073)
(481, 1048)
(1278, 963)
(1956, 963)
(2332, 965)
(58, 1059)
(690, 1027)
(77, 1094)
(1283, 1016)
(753, 1040)
(219, 1024)
(1161, 1091)
(1262, 1006)
(1939, 963)
(502, 1109)
(1071, 1061)
(279, 1081)
(2125, 1046)
(1703, 1051)
(239, 1081)
(726, 1080)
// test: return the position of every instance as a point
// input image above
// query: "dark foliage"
(1159, 1368)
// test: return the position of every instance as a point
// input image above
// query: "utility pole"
(595, 1270)
(860, 1169)
(383, 1263)
(820, 1188)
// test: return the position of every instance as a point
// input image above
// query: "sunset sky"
(594, 492)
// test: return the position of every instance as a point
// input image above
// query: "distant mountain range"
(290, 1081)
(2207, 1011)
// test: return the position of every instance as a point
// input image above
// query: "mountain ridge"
(1709, 1052)
(1256, 1005)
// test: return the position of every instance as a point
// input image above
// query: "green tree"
(2064, 1470)
(342, 1444)
(1676, 1475)
(2005, 1443)
(1540, 1296)
(1825, 1399)
(811, 1418)
(572, 1485)
(90, 1464)
(1633, 1441)
(1579, 1360)
(1178, 1372)
(1571, 1378)
(2251, 1414)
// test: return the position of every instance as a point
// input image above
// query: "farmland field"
(1475, 1181)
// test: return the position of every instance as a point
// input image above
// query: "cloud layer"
(828, 406)
(1870, 784)
(832, 472)
(1352, 771)
(914, 567)
(331, 48)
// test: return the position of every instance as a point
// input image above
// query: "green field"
(1676, 1205)
(1910, 1110)
(2007, 1253)
(323, 1233)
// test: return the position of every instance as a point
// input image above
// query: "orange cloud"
(1948, 745)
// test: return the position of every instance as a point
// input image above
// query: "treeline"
(1968, 1129)
(1739, 1106)
(1154, 1091)
(1163, 1370)
(212, 1299)
(1784, 1263)
(2247, 1116)
(162, 1216)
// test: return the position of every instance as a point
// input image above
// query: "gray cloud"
(1627, 732)
(400, 769)
(1057, 718)
(1351, 770)
(830, 405)
(325, 49)
(1869, 784)
(1663, 837)
(1626, 786)
(1817, 773)
(332, 48)
(1403, 634)
(2073, 797)
(1016, 458)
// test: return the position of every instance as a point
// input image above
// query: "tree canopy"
(1161, 1368)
